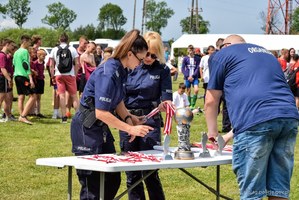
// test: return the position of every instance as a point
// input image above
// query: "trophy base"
(183, 155)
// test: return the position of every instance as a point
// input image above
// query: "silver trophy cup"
(183, 118)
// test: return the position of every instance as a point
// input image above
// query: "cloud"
(7, 23)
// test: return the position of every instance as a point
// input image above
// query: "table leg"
(69, 195)
(102, 185)
(218, 182)
(216, 192)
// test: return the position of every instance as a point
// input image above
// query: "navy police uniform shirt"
(106, 85)
(148, 84)
(254, 85)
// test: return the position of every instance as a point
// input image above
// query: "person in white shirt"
(204, 67)
(180, 99)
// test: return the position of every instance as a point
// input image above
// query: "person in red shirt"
(6, 81)
(284, 55)
(38, 66)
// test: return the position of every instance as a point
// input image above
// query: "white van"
(103, 42)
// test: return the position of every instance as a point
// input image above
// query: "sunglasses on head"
(153, 56)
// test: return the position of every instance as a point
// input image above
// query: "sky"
(224, 16)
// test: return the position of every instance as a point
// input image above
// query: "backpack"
(290, 76)
(65, 60)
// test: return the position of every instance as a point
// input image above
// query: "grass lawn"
(21, 145)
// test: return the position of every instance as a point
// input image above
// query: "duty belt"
(139, 112)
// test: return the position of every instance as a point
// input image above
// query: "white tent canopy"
(270, 42)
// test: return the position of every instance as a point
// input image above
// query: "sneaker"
(25, 120)
(64, 120)
(12, 118)
(56, 116)
(3, 120)
(3, 116)
(68, 114)
(40, 115)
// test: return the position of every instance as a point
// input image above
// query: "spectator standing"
(88, 64)
(204, 68)
(283, 59)
(39, 66)
(98, 55)
(66, 81)
(6, 80)
(23, 79)
(263, 114)
(190, 70)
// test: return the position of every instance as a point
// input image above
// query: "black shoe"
(40, 115)
(64, 120)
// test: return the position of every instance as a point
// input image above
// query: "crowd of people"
(116, 88)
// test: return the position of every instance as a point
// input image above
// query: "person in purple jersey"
(190, 69)
(263, 115)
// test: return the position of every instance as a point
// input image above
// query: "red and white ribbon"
(168, 121)
(152, 113)
(130, 157)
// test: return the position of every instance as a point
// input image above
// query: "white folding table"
(84, 164)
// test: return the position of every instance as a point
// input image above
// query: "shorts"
(263, 159)
(66, 83)
(194, 82)
(4, 85)
(39, 87)
(23, 85)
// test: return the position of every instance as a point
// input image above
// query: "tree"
(157, 14)
(202, 25)
(111, 17)
(89, 31)
(59, 16)
(274, 23)
(2, 9)
(18, 10)
(294, 29)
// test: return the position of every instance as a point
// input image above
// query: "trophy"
(205, 152)
(183, 117)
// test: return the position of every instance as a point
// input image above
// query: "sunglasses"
(140, 60)
(224, 45)
(153, 56)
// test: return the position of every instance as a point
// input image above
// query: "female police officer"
(147, 86)
(102, 95)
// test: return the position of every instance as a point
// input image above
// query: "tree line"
(111, 21)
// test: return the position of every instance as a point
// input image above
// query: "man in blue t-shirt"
(263, 115)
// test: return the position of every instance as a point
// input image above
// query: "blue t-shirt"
(253, 84)
(148, 84)
(106, 85)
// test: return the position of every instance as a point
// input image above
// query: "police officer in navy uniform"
(103, 94)
(148, 86)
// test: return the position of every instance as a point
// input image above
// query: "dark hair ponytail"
(132, 41)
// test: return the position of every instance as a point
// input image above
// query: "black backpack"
(290, 76)
(65, 60)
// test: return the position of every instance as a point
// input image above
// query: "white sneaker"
(4, 120)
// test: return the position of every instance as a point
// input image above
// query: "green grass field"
(21, 145)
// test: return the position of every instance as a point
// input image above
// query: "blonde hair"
(41, 52)
(154, 41)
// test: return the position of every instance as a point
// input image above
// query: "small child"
(39, 66)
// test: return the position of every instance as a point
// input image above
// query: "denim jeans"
(263, 159)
